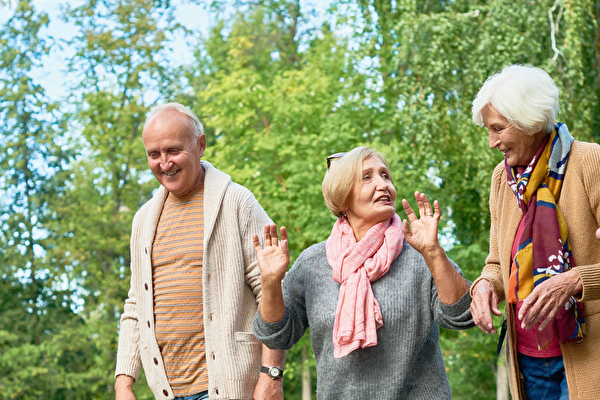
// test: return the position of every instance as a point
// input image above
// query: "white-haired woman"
(543, 259)
(372, 299)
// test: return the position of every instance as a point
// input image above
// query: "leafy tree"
(36, 307)
(401, 81)
(434, 56)
(121, 61)
(277, 93)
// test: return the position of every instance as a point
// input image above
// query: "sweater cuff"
(264, 328)
(273, 335)
(128, 367)
(590, 277)
(458, 308)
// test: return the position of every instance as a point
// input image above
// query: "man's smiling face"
(173, 152)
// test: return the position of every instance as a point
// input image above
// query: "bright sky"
(52, 75)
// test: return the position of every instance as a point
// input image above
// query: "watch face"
(274, 372)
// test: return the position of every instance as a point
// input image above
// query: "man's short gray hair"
(196, 128)
(526, 96)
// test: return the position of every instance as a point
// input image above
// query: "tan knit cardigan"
(231, 286)
(580, 205)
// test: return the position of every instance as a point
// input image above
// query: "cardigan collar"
(215, 186)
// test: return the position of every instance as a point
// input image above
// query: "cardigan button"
(148, 324)
(165, 392)
(146, 286)
(146, 250)
(155, 361)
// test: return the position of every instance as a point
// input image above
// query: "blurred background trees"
(279, 86)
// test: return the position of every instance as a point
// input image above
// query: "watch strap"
(272, 372)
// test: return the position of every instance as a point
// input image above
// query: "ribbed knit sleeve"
(128, 354)
(590, 167)
(253, 219)
(453, 316)
(283, 334)
(492, 270)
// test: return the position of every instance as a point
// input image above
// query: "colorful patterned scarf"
(544, 250)
(355, 265)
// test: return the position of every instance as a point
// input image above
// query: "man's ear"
(201, 144)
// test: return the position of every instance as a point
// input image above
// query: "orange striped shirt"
(177, 254)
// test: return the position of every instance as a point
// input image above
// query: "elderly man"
(195, 282)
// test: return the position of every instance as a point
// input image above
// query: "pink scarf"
(355, 265)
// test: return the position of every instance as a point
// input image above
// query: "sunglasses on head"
(333, 157)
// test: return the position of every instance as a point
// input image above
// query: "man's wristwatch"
(273, 372)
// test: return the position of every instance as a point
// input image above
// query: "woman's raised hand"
(274, 258)
(422, 231)
(421, 234)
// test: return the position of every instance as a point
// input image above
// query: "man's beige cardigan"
(231, 286)
(580, 205)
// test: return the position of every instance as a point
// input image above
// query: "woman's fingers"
(270, 237)
(274, 257)
(540, 310)
(256, 242)
(424, 206)
(484, 302)
(406, 228)
(273, 234)
(409, 211)
(421, 204)
(267, 234)
(436, 206)
(283, 233)
(548, 298)
(284, 236)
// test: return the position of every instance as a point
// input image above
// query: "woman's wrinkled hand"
(483, 303)
(422, 232)
(598, 234)
(548, 298)
(274, 258)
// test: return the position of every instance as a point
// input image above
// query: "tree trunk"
(306, 384)
(502, 391)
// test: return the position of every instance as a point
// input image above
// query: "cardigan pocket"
(241, 337)
(246, 367)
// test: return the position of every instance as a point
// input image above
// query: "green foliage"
(120, 51)
(295, 366)
(402, 82)
(84, 208)
(278, 92)
(34, 305)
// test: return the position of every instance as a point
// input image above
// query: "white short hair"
(196, 128)
(526, 96)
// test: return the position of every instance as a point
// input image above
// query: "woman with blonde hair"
(373, 294)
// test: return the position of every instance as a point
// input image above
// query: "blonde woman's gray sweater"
(407, 361)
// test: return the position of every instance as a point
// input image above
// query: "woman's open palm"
(422, 231)
(274, 258)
